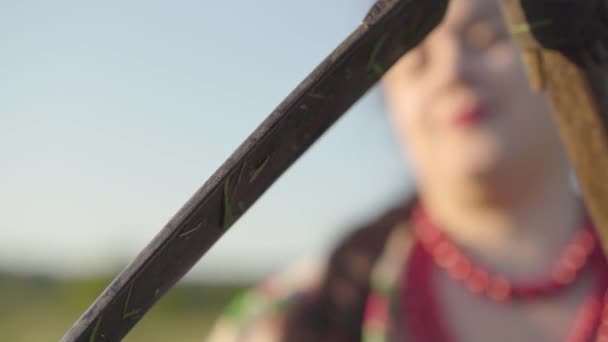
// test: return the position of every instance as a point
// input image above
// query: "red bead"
(443, 249)
(563, 276)
(461, 269)
(587, 239)
(429, 237)
(448, 260)
(575, 257)
(499, 289)
(478, 281)
(447, 256)
(592, 318)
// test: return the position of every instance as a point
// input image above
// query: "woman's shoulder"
(367, 257)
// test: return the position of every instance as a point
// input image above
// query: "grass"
(38, 309)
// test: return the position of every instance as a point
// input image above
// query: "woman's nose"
(455, 62)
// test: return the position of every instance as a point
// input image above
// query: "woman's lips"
(469, 117)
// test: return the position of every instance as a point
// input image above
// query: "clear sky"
(112, 113)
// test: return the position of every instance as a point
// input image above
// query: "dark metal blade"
(390, 29)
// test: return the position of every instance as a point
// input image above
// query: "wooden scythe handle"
(565, 50)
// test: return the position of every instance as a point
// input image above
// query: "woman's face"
(461, 104)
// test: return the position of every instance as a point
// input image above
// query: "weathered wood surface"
(565, 49)
(390, 29)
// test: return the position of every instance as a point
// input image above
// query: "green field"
(35, 309)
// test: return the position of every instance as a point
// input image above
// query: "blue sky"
(113, 113)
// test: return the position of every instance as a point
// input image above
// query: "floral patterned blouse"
(257, 315)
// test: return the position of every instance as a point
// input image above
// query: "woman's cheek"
(420, 132)
(406, 121)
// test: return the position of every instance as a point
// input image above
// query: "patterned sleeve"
(257, 315)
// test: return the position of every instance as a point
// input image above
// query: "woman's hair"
(335, 312)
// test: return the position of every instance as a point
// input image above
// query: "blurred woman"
(495, 245)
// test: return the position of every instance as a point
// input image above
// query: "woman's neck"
(519, 235)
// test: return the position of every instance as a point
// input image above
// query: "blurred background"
(113, 113)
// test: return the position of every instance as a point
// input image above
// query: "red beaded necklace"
(434, 249)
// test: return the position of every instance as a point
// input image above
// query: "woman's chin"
(481, 163)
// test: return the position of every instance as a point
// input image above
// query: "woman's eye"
(483, 36)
